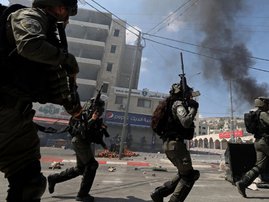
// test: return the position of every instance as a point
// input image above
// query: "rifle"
(93, 131)
(183, 82)
(73, 97)
(93, 104)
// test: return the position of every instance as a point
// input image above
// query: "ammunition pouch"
(172, 137)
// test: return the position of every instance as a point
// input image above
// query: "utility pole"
(123, 131)
(232, 113)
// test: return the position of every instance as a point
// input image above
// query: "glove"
(70, 64)
(73, 106)
(193, 104)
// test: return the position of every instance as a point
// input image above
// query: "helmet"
(176, 88)
(70, 4)
(261, 102)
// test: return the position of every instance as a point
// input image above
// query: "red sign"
(228, 134)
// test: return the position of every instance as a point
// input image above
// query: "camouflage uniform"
(86, 165)
(84, 132)
(261, 145)
(32, 58)
(180, 126)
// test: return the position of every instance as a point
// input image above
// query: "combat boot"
(156, 196)
(246, 180)
(163, 191)
(241, 187)
(184, 186)
(61, 177)
(51, 184)
(87, 198)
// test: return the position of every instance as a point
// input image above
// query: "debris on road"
(56, 165)
(111, 169)
(160, 168)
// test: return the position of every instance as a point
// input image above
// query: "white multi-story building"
(99, 43)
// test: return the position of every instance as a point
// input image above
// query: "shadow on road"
(129, 199)
(105, 199)
(258, 197)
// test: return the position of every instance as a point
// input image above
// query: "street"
(134, 181)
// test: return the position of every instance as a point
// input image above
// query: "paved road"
(134, 183)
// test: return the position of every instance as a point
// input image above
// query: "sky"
(224, 44)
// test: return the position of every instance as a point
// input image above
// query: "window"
(105, 88)
(109, 67)
(116, 32)
(113, 49)
(144, 103)
(120, 100)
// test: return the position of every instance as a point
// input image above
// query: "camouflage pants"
(177, 153)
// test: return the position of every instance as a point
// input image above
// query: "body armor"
(29, 80)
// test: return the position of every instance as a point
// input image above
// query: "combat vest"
(174, 128)
(27, 79)
(263, 129)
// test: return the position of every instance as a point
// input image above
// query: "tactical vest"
(263, 130)
(27, 79)
(175, 128)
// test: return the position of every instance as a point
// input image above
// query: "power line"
(178, 15)
(116, 17)
(181, 49)
(181, 6)
(160, 43)
(192, 52)
(200, 46)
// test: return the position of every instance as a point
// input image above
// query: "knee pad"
(34, 188)
(192, 176)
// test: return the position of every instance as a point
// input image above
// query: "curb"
(49, 159)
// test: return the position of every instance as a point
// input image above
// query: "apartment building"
(99, 43)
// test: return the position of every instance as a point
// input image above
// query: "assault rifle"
(183, 82)
(94, 131)
(94, 104)
(73, 98)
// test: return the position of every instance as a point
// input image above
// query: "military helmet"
(176, 88)
(70, 4)
(261, 102)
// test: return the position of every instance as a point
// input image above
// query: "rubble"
(110, 154)
(56, 165)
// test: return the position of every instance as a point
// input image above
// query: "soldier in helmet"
(34, 68)
(261, 145)
(179, 127)
(84, 130)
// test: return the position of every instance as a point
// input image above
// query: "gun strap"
(62, 36)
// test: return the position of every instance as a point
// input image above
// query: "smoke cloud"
(230, 57)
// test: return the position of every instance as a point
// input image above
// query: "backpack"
(252, 121)
(159, 118)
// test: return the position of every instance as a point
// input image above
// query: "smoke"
(230, 57)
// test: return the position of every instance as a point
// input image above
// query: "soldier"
(34, 68)
(179, 126)
(83, 133)
(261, 145)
